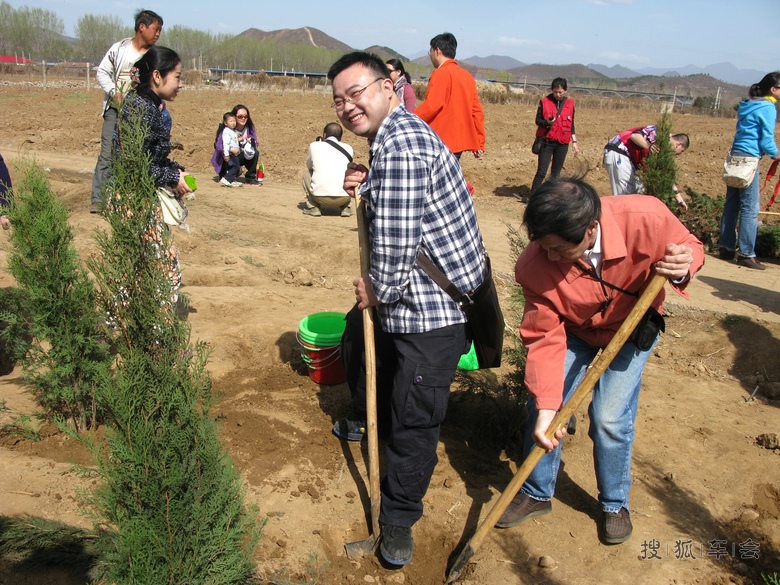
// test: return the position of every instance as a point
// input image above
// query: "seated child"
(230, 151)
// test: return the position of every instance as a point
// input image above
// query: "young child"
(230, 150)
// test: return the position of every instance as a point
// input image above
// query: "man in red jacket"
(588, 261)
(451, 105)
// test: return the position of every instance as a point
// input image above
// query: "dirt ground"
(706, 494)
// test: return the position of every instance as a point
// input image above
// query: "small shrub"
(502, 414)
(768, 241)
(68, 361)
(702, 217)
(659, 170)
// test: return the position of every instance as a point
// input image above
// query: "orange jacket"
(452, 108)
(560, 299)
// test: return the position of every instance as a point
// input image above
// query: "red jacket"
(452, 108)
(561, 129)
(560, 299)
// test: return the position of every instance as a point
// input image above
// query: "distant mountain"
(497, 62)
(417, 54)
(541, 72)
(723, 71)
(305, 36)
(385, 53)
(614, 72)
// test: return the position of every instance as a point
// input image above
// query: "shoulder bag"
(174, 211)
(738, 171)
(481, 308)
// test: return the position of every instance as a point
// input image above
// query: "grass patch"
(252, 262)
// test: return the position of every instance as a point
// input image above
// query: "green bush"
(702, 217)
(768, 241)
(171, 501)
(658, 172)
(67, 362)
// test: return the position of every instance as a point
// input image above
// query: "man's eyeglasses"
(339, 103)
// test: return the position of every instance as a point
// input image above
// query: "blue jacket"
(756, 127)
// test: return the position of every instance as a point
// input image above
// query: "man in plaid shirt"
(416, 201)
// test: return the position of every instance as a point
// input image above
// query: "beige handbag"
(739, 171)
(174, 211)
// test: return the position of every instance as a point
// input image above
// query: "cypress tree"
(659, 170)
(68, 361)
(172, 502)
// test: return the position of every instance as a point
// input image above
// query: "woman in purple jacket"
(249, 156)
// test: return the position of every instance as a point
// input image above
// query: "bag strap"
(771, 173)
(339, 148)
(439, 278)
(461, 299)
(595, 275)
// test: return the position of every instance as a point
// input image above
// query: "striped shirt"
(417, 199)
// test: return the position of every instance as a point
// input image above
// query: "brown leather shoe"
(726, 254)
(616, 527)
(521, 508)
(750, 262)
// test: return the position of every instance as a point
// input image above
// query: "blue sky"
(632, 33)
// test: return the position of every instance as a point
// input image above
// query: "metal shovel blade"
(355, 550)
(460, 563)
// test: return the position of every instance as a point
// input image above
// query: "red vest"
(636, 154)
(560, 131)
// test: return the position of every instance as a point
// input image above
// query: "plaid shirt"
(417, 199)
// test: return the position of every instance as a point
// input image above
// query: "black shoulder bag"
(481, 308)
(649, 326)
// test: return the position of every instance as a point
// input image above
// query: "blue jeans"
(612, 414)
(742, 204)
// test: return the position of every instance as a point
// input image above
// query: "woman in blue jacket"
(755, 136)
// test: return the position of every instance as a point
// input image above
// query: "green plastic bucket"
(320, 337)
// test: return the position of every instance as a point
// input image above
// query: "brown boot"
(521, 508)
(750, 262)
(616, 527)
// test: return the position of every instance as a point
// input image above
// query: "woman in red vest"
(555, 121)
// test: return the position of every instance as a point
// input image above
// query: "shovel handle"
(370, 359)
(595, 370)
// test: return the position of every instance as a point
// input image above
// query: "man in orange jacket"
(451, 105)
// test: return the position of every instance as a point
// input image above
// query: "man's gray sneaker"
(397, 544)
